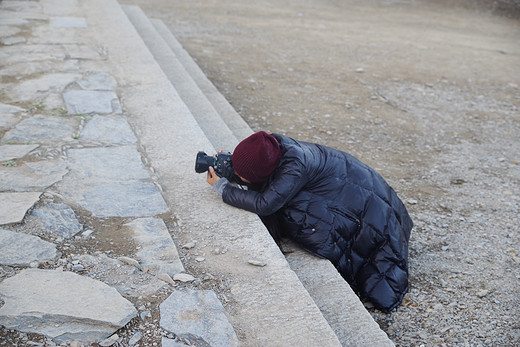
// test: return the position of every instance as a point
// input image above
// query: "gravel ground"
(428, 93)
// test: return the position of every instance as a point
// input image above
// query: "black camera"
(221, 163)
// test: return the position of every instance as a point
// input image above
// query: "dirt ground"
(427, 93)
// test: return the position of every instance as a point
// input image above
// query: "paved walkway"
(68, 155)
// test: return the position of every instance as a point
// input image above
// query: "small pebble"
(189, 245)
(166, 278)
(256, 262)
(183, 277)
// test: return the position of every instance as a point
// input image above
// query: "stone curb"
(208, 119)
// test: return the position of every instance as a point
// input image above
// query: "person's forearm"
(220, 185)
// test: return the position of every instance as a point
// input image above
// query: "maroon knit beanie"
(256, 157)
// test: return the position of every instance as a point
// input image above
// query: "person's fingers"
(211, 176)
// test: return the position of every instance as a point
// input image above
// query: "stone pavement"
(97, 187)
(68, 153)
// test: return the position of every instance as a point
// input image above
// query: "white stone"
(14, 206)
(183, 278)
(189, 245)
(166, 278)
(109, 341)
(63, 305)
(19, 249)
(130, 261)
(9, 152)
(257, 262)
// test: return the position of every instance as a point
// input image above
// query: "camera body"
(221, 164)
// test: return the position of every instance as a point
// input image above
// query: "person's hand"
(212, 176)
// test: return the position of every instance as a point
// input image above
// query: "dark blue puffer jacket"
(338, 208)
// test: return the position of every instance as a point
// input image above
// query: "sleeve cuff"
(220, 185)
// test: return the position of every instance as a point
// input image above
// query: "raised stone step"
(345, 313)
(226, 112)
(207, 117)
(266, 305)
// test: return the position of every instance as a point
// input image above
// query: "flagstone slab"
(9, 22)
(197, 315)
(63, 305)
(108, 130)
(29, 90)
(68, 22)
(6, 108)
(82, 52)
(60, 7)
(166, 342)
(47, 35)
(14, 40)
(58, 219)
(42, 129)
(36, 53)
(6, 31)
(92, 101)
(8, 113)
(99, 81)
(19, 249)
(110, 163)
(122, 199)
(31, 68)
(10, 152)
(20, 6)
(14, 206)
(126, 279)
(158, 253)
(8, 120)
(32, 176)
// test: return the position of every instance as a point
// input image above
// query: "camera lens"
(203, 162)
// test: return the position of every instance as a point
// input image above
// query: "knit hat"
(256, 157)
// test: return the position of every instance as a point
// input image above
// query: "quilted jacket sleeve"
(288, 179)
